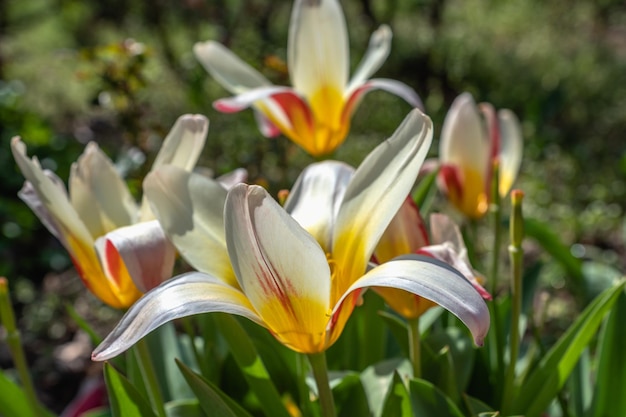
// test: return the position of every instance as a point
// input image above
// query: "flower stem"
(148, 373)
(415, 346)
(14, 340)
(496, 221)
(516, 255)
(320, 372)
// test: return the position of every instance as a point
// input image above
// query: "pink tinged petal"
(48, 198)
(280, 267)
(376, 192)
(511, 149)
(265, 125)
(318, 51)
(145, 250)
(435, 281)
(463, 138)
(182, 296)
(405, 234)
(232, 178)
(315, 198)
(99, 194)
(190, 208)
(376, 54)
(227, 68)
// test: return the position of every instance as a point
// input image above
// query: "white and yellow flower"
(472, 139)
(297, 270)
(316, 112)
(117, 246)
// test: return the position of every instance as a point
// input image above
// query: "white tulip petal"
(232, 178)
(464, 141)
(444, 229)
(265, 125)
(318, 50)
(435, 281)
(377, 190)
(190, 208)
(315, 198)
(376, 54)
(52, 205)
(99, 194)
(184, 143)
(511, 149)
(182, 296)
(227, 68)
(145, 250)
(280, 267)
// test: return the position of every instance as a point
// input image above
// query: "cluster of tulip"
(300, 266)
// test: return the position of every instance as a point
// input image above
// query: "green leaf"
(165, 347)
(184, 408)
(377, 379)
(609, 399)
(124, 399)
(13, 400)
(397, 402)
(551, 243)
(212, 400)
(475, 406)
(428, 400)
(252, 366)
(350, 397)
(424, 191)
(99, 412)
(536, 393)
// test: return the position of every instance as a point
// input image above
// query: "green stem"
(320, 372)
(14, 340)
(496, 221)
(148, 373)
(516, 255)
(415, 346)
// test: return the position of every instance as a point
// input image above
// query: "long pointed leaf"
(213, 401)
(125, 400)
(609, 398)
(536, 393)
(427, 400)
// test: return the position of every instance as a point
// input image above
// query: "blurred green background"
(121, 72)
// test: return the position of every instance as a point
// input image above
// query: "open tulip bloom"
(469, 146)
(117, 246)
(407, 234)
(316, 112)
(298, 270)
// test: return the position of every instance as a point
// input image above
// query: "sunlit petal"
(184, 143)
(190, 208)
(227, 68)
(280, 267)
(98, 193)
(435, 281)
(145, 250)
(316, 196)
(182, 296)
(511, 149)
(318, 54)
(376, 192)
(376, 54)
(232, 178)
(463, 137)
(405, 234)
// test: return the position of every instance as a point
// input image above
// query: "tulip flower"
(117, 246)
(468, 149)
(407, 234)
(316, 112)
(297, 270)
